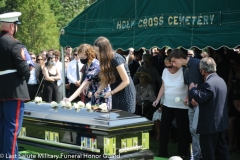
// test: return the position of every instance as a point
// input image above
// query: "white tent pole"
(63, 73)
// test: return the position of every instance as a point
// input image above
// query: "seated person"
(145, 93)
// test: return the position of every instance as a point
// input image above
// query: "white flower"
(76, 106)
(62, 103)
(54, 104)
(68, 104)
(38, 100)
(88, 106)
(89, 110)
(69, 108)
(81, 104)
(78, 109)
(103, 107)
(177, 99)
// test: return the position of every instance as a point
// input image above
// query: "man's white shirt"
(71, 71)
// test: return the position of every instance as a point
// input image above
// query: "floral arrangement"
(77, 106)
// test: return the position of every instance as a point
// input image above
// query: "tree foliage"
(66, 10)
(42, 20)
(39, 28)
(2, 3)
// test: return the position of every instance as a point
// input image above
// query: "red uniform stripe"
(16, 129)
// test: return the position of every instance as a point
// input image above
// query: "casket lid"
(111, 119)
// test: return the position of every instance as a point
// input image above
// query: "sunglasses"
(39, 59)
(75, 54)
(168, 66)
(33, 57)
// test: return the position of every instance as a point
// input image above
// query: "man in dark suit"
(158, 59)
(33, 80)
(213, 116)
(133, 66)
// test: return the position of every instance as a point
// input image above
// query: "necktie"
(77, 71)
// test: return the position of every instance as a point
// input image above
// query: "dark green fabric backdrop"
(148, 23)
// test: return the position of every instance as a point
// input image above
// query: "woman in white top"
(172, 87)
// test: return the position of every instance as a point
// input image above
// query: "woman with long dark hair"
(115, 72)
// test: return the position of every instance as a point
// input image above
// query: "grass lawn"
(172, 150)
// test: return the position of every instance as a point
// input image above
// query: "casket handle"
(27, 113)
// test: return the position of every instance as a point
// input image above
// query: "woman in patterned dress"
(90, 76)
(115, 72)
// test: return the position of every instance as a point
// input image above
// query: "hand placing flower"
(54, 104)
(96, 94)
(107, 94)
(62, 103)
(38, 100)
(68, 104)
(65, 99)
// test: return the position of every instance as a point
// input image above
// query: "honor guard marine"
(13, 70)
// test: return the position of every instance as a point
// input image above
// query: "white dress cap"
(10, 17)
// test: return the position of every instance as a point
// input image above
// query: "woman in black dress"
(52, 75)
(115, 72)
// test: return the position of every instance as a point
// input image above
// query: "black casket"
(87, 133)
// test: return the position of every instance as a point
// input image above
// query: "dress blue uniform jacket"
(13, 85)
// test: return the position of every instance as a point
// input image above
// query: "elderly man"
(213, 114)
(13, 69)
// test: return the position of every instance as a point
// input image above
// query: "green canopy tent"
(147, 23)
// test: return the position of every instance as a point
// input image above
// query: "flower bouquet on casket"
(38, 100)
(66, 105)
(54, 104)
(102, 108)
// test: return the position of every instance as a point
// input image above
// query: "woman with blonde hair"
(114, 71)
(89, 76)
